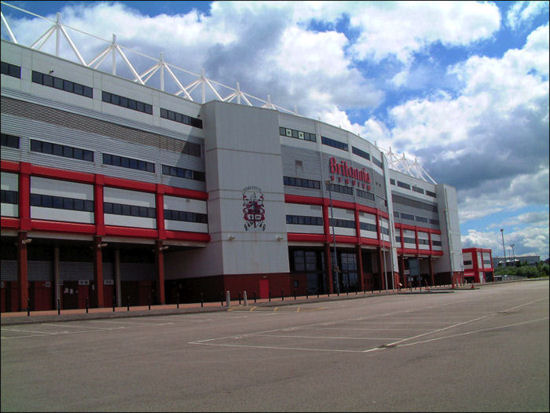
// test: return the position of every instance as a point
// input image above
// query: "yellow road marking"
(252, 308)
(298, 310)
(276, 309)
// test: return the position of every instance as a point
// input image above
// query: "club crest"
(253, 209)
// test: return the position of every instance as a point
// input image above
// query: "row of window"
(62, 84)
(365, 226)
(414, 188)
(384, 230)
(185, 216)
(340, 188)
(301, 182)
(59, 202)
(408, 240)
(11, 70)
(415, 218)
(334, 143)
(293, 133)
(364, 194)
(129, 210)
(361, 153)
(61, 150)
(398, 199)
(183, 173)
(10, 141)
(9, 197)
(126, 102)
(341, 223)
(303, 220)
(180, 117)
(131, 163)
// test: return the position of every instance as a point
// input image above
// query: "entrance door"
(264, 288)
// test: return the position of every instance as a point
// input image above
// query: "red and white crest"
(253, 209)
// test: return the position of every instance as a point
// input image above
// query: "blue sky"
(461, 86)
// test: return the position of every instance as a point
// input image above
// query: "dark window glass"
(134, 210)
(78, 89)
(115, 99)
(334, 143)
(68, 203)
(124, 162)
(106, 97)
(57, 83)
(417, 189)
(360, 153)
(47, 201)
(123, 102)
(35, 200)
(10, 197)
(57, 149)
(126, 209)
(132, 104)
(68, 152)
(392, 181)
(305, 183)
(78, 153)
(403, 185)
(430, 193)
(107, 159)
(377, 162)
(89, 205)
(57, 202)
(88, 156)
(107, 208)
(117, 209)
(140, 106)
(180, 117)
(10, 141)
(88, 92)
(36, 77)
(68, 86)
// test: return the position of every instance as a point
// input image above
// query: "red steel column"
(98, 206)
(98, 271)
(159, 258)
(22, 275)
(382, 268)
(405, 278)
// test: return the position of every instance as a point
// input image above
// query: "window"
(11, 70)
(126, 103)
(409, 240)
(407, 216)
(193, 149)
(61, 150)
(180, 118)
(430, 193)
(58, 202)
(434, 221)
(392, 181)
(364, 194)
(172, 215)
(62, 84)
(10, 141)
(367, 227)
(10, 197)
(417, 189)
(421, 219)
(377, 162)
(129, 210)
(396, 214)
(398, 239)
(334, 143)
(340, 188)
(292, 133)
(467, 262)
(341, 223)
(304, 183)
(398, 199)
(183, 173)
(303, 220)
(436, 243)
(360, 153)
(423, 242)
(403, 185)
(130, 163)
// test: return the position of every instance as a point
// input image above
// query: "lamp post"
(513, 254)
(503, 246)
(334, 259)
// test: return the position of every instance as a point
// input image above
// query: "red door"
(264, 288)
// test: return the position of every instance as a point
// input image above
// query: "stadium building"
(113, 190)
(478, 265)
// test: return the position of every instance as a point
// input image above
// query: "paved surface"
(469, 350)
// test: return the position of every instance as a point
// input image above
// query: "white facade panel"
(63, 215)
(10, 182)
(384, 223)
(65, 189)
(304, 210)
(184, 204)
(185, 226)
(127, 221)
(126, 197)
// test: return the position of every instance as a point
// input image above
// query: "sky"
(460, 86)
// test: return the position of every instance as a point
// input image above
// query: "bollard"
(269, 295)
(178, 300)
(202, 300)
(245, 298)
(149, 302)
(228, 299)
(221, 299)
(239, 298)
(114, 303)
(317, 293)
(254, 297)
(58, 307)
(127, 303)
(282, 295)
(347, 291)
(86, 305)
(28, 307)
(295, 294)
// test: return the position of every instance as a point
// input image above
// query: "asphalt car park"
(470, 350)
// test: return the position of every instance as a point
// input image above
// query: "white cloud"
(399, 29)
(523, 12)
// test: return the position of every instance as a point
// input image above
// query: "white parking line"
(19, 330)
(328, 337)
(137, 323)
